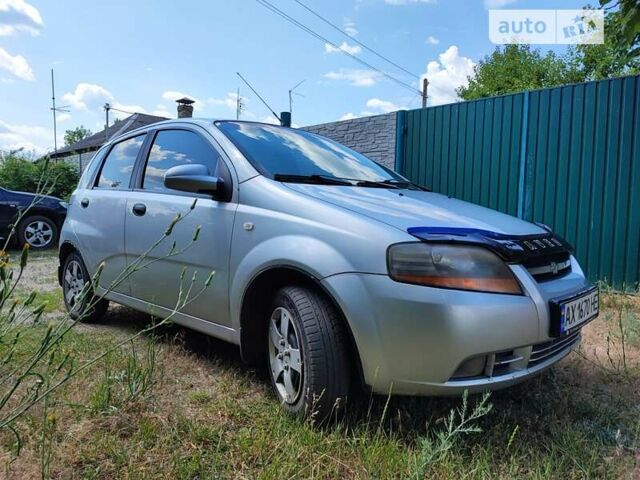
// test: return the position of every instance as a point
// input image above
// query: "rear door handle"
(139, 209)
(84, 202)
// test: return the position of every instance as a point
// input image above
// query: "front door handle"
(84, 202)
(139, 209)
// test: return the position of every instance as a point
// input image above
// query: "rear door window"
(118, 166)
(177, 147)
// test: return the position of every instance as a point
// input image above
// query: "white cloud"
(350, 27)
(31, 138)
(174, 95)
(270, 119)
(381, 106)
(431, 40)
(63, 117)
(357, 78)
(162, 111)
(17, 65)
(407, 2)
(497, 3)
(445, 75)
(348, 116)
(229, 101)
(343, 47)
(88, 96)
(126, 109)
(19, 16)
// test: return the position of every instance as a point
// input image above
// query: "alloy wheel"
(38, 234)
(73, 285)
(285, 356)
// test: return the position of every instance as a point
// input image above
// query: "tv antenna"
(291, 93)
(54, 109)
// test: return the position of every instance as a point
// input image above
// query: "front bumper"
(412, 339)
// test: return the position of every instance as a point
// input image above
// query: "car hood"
(403, 209)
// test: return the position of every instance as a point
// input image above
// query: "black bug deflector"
(511, 248)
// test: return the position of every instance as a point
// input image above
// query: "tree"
(19, 173)
(75, 135)
(514, 68)
(629, 20)
(614, 57)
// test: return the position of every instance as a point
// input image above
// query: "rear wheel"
(307, 352)
(38, 232)
(78, 294)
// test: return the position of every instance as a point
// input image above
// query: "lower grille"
(542, 351)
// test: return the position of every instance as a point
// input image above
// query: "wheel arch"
(256, 299)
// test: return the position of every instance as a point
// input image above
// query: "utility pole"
(55, 110)
(425, 85)
(106, 107)
(238, 104)
(291, 93)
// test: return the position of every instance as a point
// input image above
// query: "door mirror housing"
(193, 178)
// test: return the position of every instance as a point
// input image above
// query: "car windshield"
(285, 153)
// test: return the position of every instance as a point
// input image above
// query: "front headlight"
(64, 205)
(462, 267)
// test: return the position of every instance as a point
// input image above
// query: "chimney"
(185, 107)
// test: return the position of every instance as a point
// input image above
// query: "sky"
(140, 56)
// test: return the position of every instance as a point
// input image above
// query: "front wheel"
(308, 354)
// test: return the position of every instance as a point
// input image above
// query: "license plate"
(569, 314)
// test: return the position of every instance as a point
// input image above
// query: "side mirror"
(192, 178)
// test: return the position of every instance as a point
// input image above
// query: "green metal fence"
(568, 157)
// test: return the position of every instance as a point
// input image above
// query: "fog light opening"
(472, 367)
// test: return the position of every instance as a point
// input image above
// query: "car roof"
(203, 122)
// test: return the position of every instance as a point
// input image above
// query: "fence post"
(401, 123)
(522, 174)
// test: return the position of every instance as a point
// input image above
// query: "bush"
(17, 173)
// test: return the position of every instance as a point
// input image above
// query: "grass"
(182, 405)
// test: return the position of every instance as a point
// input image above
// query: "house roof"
(95, 141)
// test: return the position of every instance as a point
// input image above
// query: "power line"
(379, 55)
(303, 27)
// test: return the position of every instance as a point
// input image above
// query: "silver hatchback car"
(330, 268)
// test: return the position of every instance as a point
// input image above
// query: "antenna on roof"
(55, 110)
(258, 95)
(291, 92)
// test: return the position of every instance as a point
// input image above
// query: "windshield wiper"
(406, 183)
(376, 184)
(316, 179)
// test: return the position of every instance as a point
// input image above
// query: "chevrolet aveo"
(330, 268)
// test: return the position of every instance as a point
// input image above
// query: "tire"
(81, 306)
(319, 373)
(38, 232)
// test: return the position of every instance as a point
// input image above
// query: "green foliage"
(629, 13)
(612, 58)
(17, 173)
(75, 135)
(514, 68)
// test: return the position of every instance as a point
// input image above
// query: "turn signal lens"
(459, 267)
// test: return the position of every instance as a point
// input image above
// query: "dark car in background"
(40, 224)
